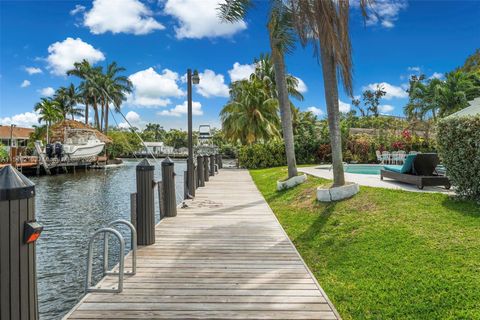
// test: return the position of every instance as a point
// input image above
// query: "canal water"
(71, 207)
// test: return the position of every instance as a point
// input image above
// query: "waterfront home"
(14, 136)
(155, 148)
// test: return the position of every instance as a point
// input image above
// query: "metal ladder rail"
(133, 232)
(88, 280)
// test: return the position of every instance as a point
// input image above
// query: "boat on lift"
(78, 145)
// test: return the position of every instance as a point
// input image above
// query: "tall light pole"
(195, 79)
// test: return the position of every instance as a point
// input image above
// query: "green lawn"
(385, 254)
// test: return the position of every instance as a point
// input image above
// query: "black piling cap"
(14, 185)
(167, 162)
(145, 165)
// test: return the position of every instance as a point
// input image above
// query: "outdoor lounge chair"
(417, 169)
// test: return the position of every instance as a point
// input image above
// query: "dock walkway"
(224, 257)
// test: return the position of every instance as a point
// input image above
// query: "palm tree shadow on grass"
(318, 224)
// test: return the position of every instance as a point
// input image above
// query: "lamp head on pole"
(195, 77)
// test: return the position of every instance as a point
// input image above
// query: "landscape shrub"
(262, 155)
(458, 144)
(3, 154)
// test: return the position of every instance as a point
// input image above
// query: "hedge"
(458, 143)
(260, 155)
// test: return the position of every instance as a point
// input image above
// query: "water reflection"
(71, 207)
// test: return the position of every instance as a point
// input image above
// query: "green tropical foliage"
(67, 99)
(3, 154)
(251, 115)
(101, 90)
(458, 140)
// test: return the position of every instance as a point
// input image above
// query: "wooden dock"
(224, 257)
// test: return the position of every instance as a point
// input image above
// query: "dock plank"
(225, 256)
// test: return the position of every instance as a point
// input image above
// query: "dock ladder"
(121, 265)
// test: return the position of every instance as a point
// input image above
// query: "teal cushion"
(397, 169)
(408, 164)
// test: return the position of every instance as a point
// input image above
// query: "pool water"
(363, 169)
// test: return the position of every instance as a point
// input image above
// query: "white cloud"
(78, 8)
(391, 90)
(121, 16)
(47, 92)
(62, 55)
(33, 70)
(385, 108)
(199, 19)
(415, 69)
(134, 119)
(301, 87)
(437, 75)
(152, 90)
(316, 111)
(181, 109)
(385, 12)
(241, 71)
(344, 107)
(212, 85)
(26, 119)
(25, 84)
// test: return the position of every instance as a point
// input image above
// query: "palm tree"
(325, 24)
(67, 99)
(455, 92)
(89, 88)
(114, 88)
(49, 112)
(251, 114)
(282, 41)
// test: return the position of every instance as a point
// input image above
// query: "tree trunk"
(103, 115)
(86, 113)
(285, 110)
(106, 118)
(95, 109)
(331, 98)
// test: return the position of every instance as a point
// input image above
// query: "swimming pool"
(363, 168)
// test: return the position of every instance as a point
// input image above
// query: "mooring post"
(168, 188)
(145, 203)
(206, 168)
(200, 171)
(219, 161)
(18, 233)
(185, 185)
(212, 164)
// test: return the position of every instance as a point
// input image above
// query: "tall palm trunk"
(95, 109)
(86, 112)
(103, 114)
(285, 109)
(106, 118)
(331, 97)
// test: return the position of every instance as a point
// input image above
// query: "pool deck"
(370, 180)
(225, 256)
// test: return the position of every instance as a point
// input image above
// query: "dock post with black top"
(145, 203)
(206, 168)
(168, 188)
(200, 172)
(212, 164)
(18, 234)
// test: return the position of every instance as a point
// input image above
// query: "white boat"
(91, 148)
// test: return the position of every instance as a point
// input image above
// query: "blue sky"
(156, 41)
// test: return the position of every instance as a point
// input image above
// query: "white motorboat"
(78, 144)
(91, 148)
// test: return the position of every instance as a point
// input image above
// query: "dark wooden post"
(168, 188)
(200, 171)
(145, 203)
(18, 279)
(206, 168)
(212, 164)
(219, 161)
